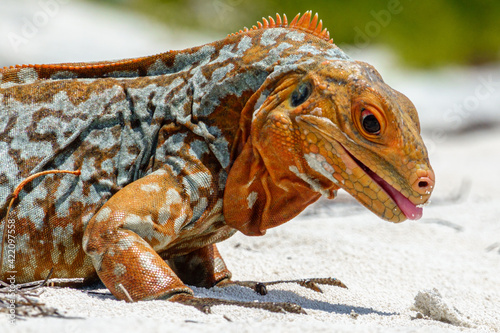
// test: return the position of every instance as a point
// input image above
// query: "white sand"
(439, 274)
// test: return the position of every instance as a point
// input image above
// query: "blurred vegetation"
(423, 33)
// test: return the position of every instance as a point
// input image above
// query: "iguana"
(132, 170)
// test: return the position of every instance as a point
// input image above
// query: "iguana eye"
(370, 123)
(301, 94)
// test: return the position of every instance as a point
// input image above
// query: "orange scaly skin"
(169, 154)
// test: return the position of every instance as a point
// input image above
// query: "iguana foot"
(204, 304)
(261, 287)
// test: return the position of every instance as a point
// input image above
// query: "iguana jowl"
(178, 151)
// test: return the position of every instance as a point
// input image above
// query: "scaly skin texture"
(178, 151)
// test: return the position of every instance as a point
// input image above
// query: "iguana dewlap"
(178, 151)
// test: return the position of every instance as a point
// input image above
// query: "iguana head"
(332, 124)
(362, 136)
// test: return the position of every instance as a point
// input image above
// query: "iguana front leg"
(124, 238)
(202, 268)
(205, 304)
(206, 268)
(261, 287)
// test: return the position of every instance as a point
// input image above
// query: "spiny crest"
(77, 66)
(303, 23)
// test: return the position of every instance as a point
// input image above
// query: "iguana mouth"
(411, 211)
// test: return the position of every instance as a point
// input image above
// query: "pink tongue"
(411, 211)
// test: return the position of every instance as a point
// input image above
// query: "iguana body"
(178, 151)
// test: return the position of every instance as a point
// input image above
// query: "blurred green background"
(422, 33)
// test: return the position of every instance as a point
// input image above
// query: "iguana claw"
(261, 287)
(205, 304)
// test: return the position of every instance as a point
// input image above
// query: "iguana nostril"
(423, 184)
